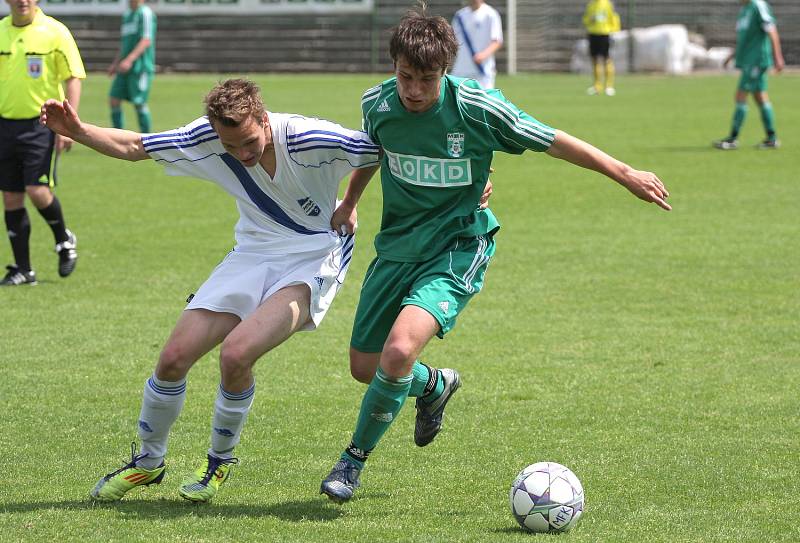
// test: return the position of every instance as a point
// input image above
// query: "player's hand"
(779, 63)
(646, 186)
(61, 118)
(124, 66)
(63, 143)
(112, 68)
(487, 193)
(345, 219)
(478, 58)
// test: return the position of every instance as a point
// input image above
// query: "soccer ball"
(546, 497)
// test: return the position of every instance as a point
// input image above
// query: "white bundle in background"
(663, 48)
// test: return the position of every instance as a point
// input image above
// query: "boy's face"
(247, 141)
(418, 89)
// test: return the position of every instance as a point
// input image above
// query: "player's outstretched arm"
(644, 185)
(61, 118)
(344, 217)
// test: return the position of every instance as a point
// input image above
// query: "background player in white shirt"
(284, 172)
(480, 35)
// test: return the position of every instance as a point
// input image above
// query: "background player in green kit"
(758, 47)
(135, 64)
(434, 242)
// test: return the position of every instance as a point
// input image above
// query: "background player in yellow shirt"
(37, 54)
(600, 21)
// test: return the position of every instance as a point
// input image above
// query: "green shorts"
(132, 86)
(754, 79)
(442, 286)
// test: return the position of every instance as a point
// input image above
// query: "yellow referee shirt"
(600, 18)
(34, 60)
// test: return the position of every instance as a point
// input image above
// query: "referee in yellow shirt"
(37, 54)
(601, 21)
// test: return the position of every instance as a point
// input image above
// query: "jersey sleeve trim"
(147, 23)
(528, 130)
(180, 138)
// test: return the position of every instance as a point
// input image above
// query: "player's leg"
(425, 380)
(138, 91)
(40, 178)
(767, 115)
(118, 93)
(739, 112)
(18, 226)
(595, 52)
(384, 398)
(276, 319)
(196, 333)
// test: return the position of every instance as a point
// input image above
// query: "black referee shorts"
(26, 153)
(599, 45)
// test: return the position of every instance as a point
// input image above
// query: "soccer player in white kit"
(479, 31)
(284, 172)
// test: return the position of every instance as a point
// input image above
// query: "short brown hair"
(230, 102)
(427, 42)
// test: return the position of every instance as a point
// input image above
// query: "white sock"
(230, 414)
(161, 405)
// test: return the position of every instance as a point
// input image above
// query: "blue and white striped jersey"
(285, 214)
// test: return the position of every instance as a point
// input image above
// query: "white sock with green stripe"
(230, 413)
(161, 405)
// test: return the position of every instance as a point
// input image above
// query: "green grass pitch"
(653, 353)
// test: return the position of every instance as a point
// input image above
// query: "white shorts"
(243, 280)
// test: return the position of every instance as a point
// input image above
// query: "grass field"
(654, 353)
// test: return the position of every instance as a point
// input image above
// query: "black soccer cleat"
(16, 276)
(67, 255)
(429, 415)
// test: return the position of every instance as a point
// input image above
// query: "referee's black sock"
(55, 218)
(19, 233)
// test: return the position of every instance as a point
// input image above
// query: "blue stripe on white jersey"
(178, 139)
(359, 151)
(266, 204)
(347, 143)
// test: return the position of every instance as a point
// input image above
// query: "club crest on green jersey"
(455, 144)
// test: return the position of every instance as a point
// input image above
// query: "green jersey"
(137, 25)
(436, 163)
(753, 47)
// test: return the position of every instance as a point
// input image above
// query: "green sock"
(143, 113)
(117, 117)
(738, 118)
(381, 404)
(768, 118)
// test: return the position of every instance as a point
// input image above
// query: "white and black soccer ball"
(546, 497)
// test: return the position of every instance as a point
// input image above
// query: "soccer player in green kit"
(758, 47)
(135, 64)
(438, 134)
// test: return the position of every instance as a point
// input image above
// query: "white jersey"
(476, 29)
(291, 212)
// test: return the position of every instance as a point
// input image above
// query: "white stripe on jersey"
(502, 109)
(370, 94)
(147, 22)
(528, 136)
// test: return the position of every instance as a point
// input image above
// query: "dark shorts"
(26, 153)
(599, 45)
